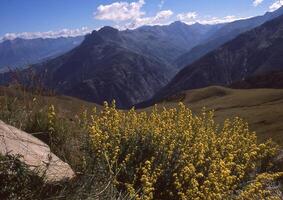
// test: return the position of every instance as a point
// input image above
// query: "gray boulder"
(33, 152)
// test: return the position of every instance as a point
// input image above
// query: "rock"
(33, 152)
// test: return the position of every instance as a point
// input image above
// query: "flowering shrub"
(172, 154)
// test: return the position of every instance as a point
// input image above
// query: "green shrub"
(17, 181)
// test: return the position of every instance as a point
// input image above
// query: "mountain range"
(254, 53)
(129, 66)
(19, 53)
(169, 42)
(164, 42)
(133, 66)
(226, 33)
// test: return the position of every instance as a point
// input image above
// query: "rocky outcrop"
(34, 153)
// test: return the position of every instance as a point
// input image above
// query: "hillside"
(100, 70)
(128, 66)
(167, 42)
(20, 99)
(137, 140)
(269, 80)
(163, 42)
(261, 108)
(132, 65)
(253, 53)
(224, 34)
(116, 100)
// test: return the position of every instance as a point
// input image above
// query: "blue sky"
(63, 17)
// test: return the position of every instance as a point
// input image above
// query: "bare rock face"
(36, 154)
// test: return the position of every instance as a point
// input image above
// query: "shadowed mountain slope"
(269, 80)
(224, 34)
(167, 42)
(100, 70)
(257, 52)
(128, 66)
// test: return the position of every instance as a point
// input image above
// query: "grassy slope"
(261, 108)
(68, 106)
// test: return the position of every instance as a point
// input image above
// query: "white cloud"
(257, 2)
(276, 5)
(130, 15)
(120, 11)
(159, 19)
(48, 34)
(192, 17)
(218, 20)
(162, 15)
(189, 17)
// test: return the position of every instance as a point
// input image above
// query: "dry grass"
(261, 108)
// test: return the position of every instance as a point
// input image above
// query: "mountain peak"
(183, 24)
(178, 23)
(109, 33)
(275, 13)
(108, 30)
(198, 24)
(93, 38)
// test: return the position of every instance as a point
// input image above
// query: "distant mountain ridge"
(132, 66)
(23, 52)
(254, 53)
(168, 42)
(129, 66)
(98, 70)
(162, 42)
(224, 34)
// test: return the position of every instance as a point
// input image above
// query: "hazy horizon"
(51, 19)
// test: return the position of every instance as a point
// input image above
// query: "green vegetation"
(65, 134)
(17, 182)
(158, 154)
